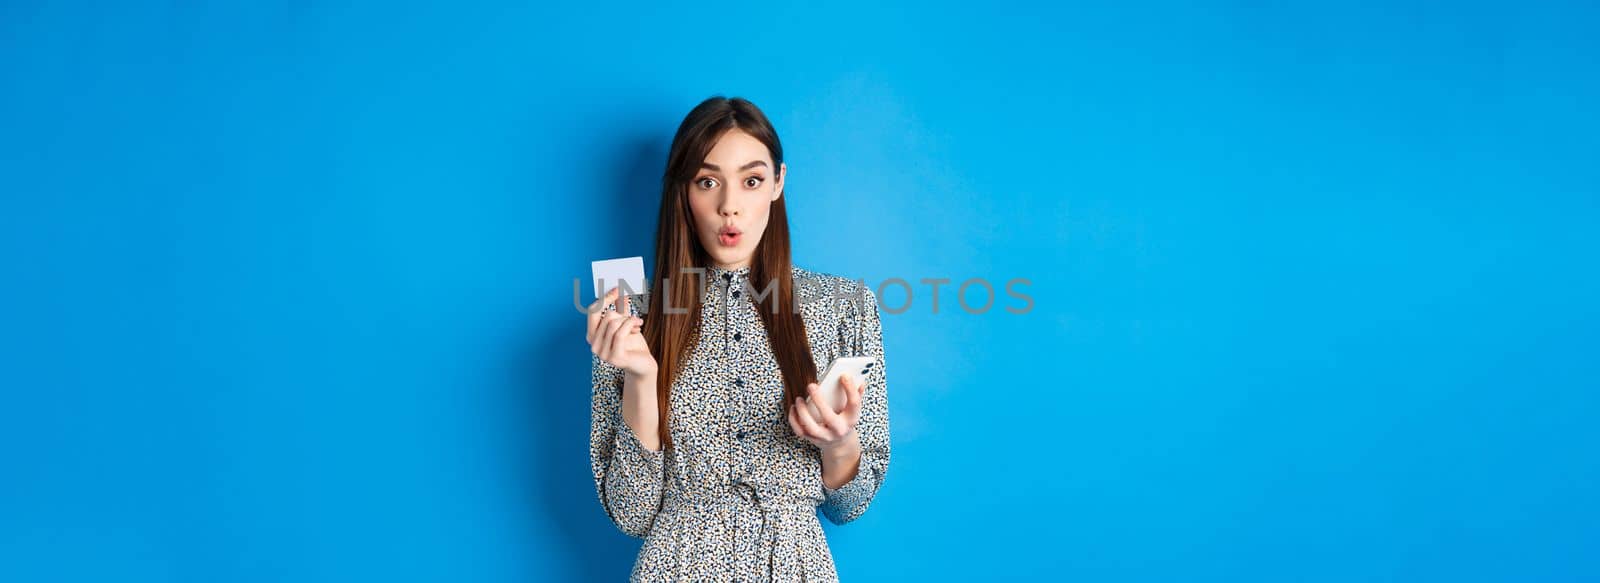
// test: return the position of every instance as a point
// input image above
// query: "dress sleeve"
(627, 476)
(861, 334)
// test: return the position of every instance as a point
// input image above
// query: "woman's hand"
(834, 432)
(615, 337)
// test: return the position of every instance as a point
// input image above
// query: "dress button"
(735, 293)
(737, 335)
(739, 435)
(727, 277)
(738, 382)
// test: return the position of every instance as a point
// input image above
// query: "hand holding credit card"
(614, 333)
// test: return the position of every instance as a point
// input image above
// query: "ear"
(777, 189)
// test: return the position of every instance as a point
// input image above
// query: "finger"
(832, 421)
(852, 402)
(602, 346)
(619, 340)
(847, 383)
(605, 321)
(593, 321)
(597, 340)
(812, 389)
(597, 313)
(794, 424)
(617, 327)
(803, 414)
(822, 414)
(613, 323)
(599, 303)
(624, 309)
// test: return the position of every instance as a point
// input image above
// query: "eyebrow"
(715, 168)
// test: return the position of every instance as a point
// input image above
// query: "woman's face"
(731, 197)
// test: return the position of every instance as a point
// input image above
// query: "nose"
(729, 206)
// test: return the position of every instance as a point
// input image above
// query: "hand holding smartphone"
(831, 391)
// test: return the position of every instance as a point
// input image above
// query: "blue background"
(287, 286)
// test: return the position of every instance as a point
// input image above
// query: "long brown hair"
(679, 255)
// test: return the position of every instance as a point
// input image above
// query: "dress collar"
(720, 274)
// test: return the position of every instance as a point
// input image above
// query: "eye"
(752, 182)
(707, 183)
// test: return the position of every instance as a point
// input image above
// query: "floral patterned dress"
(736, 497)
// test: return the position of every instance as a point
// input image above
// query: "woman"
(720, 460)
